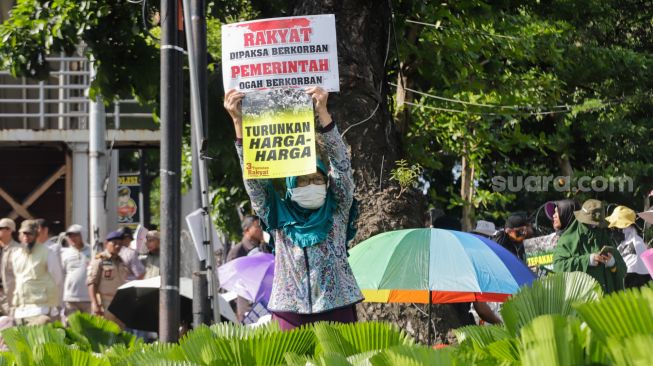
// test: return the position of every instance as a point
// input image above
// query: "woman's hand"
(320, 97)
(233, 104)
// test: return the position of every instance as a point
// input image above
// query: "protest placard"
(539, 253)
(278, 134)
(291, 52)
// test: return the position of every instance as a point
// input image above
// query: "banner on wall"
(278, 134)
(129, 187)
(291, 52)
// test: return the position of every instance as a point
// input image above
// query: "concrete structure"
(44, 144)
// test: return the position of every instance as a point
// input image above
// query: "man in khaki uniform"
(35, 267)
(7, 245)
(106, 273)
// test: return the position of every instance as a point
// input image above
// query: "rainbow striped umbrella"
(443, 266)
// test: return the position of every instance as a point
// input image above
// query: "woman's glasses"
(303, 181)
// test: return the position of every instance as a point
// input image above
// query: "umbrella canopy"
(137, 303)
(647, 216)
(450, 266)
(250, 277)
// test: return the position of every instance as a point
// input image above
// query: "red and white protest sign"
(291, 52)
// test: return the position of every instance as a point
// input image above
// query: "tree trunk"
(467, 192)
(565, 166)
(404, 81)
(362, 115)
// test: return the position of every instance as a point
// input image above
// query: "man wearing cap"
(74, 260)
(7, 245)
(130, 256)
(631, 246)
(36, 295)
(586, 246)
(151, 260)
(106, 273)
(516, 230)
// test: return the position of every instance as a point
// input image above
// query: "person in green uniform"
(586, 246)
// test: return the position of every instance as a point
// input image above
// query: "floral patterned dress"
(317, 278)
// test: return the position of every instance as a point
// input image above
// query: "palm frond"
(481, 336)
(632, 351)
(505, 351)
(58, 354)
(199, 346)
(332, 359)
(101, 333)
(293, 359)
(620, 314)
(414, 355)
(235, 346)
(7, 359)
(553, 340)
(554, 294)
(269, 349)
(23, 339)
(352, 338)
(155, 353)
(231, 330)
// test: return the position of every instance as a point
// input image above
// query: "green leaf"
(632, 351)
(415, 356)
(554, 294)
(354, 338)
(7, 359)
(22, 340)
(232, 344)
(553, 340)
(99, 332)
(481, 336)
(620, 314)
(57, 354)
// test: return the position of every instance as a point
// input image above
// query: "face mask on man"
(310, 197)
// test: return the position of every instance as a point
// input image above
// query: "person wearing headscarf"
(561, 214)
(516, 229)
(631, 245)
(582, 248)
(310, 227)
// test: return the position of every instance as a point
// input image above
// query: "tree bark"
(467, 192)
(362, 116)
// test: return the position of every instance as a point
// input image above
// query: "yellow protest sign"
(278, 134)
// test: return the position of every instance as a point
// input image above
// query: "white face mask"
(310, 197)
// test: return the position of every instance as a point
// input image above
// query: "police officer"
(106, 273)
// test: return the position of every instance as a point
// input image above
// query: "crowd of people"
(46, 278)
(310, 229)
(586, 239)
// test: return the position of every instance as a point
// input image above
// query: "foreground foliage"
(563, 319)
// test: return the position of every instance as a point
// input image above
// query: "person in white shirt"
(37, 271)
(74, 261)
(631, 246)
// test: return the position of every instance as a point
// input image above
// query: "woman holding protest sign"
(310, 226)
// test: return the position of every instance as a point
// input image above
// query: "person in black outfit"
(516, 230)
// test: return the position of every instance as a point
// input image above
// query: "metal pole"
(430, 330)
(141, 192)
(201, 305)
(97, 172)
(171, 130)
(198, 131)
